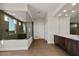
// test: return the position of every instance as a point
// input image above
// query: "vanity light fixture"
(6, 18)
(19, 23)
(75, 25)
(2, 42)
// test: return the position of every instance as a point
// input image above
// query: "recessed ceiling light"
(66, 14)
(64, 10)
(73, 4)
(73, 11)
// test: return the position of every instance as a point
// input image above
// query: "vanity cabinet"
(59, 39)
(69, 45)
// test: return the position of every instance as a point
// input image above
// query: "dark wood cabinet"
(56, 40)
(69, 45)
(76, 48)
(59, 39)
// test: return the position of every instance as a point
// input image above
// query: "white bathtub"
(15, 44)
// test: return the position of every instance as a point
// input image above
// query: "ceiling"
(52, 8)
(38, 10)
(18, 10)
(14, 6)
(21, 15)
(46, 7)
(56, 8)
(36, 13)
(69, 8)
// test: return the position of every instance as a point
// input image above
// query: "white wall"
(56, 25)
(39, 28)
(46, 28)
(52, 28)
(64, 25)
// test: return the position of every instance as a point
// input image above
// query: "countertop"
(73, 37)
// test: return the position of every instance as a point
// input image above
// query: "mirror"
(12, 28)
(74, 24)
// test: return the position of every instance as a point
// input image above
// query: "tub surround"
(69, 43)
(7, 45)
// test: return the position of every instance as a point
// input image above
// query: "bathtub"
(15, 44)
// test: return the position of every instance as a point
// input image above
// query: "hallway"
(39, 47)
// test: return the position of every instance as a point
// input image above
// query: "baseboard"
(39, 38)
(50, 42)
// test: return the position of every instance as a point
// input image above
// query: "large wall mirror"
(74, 24)
(12, 28)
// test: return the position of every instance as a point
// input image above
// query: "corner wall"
(51, 25)
(39, 29)
(56, 25)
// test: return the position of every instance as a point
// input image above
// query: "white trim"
(50, 42)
